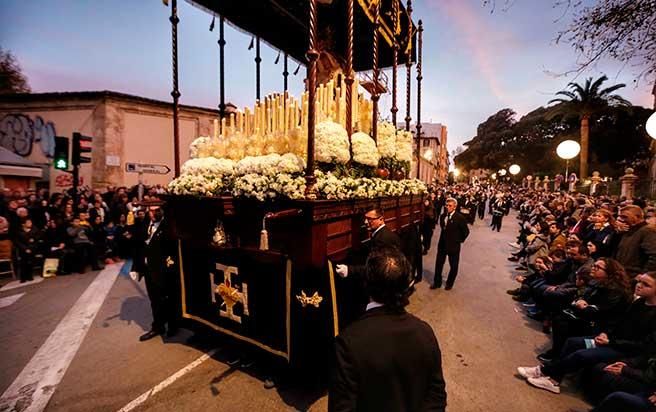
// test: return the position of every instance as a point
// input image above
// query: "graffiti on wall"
(66, 180)
(19, 133)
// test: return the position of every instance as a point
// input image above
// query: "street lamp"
(502, 172)
(651, 126)
(494, 176)
(566, 150)
(428, 154)
(456, 172)
(514, 169)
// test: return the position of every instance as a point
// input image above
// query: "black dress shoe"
(448, 287)
(149, 335)
(435, 286)
(171, 331)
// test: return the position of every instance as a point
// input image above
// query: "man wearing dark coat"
(159, 253)
(454, 232)
(387, 360)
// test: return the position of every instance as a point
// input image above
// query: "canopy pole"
(408, 65)
(419, 78)
(375, 95)
(349, 72)
(222, 43)
(285, 74)
(258, 60)
(395, 59)
(312, 56)
(176, 92)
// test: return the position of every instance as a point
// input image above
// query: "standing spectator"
(428, 224)
(85, 251)
(498, 211)
(373, 371)
(27, 243)
(636, 250)
(453, 234)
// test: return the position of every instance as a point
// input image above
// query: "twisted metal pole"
(222, 43)
(408, 65)
(258, 60)
(349, 72)
(419, 78)
(375, 96)
(285, 74)
(175, 93)
(312, 56)
(395, 59)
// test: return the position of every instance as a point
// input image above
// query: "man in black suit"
(387, 360)
(454, 232)
(159, 252)
(381, 237)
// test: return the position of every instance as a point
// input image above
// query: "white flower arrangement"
(364, 149)
(198, 185)
(404, 146)
(210, 166)
(201, 147)
(333, 188)
(386, 139)
(331, 143)
(270, 165)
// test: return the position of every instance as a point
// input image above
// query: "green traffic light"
(61, 164)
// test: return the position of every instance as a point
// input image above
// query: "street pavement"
(98, 363)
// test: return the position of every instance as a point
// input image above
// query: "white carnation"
(404, 146)
(386, 139)
(208, 166)
(200, 147)
(331, 143)
(364, 149)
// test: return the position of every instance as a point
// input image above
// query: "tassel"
(277, 59)
(250, 46)
(212, 23)
(297, 69)
(264, 240)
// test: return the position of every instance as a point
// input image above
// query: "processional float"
(256, 249)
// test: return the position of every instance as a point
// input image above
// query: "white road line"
(166, 382)
(34, 386)
(9, 300)
(15, 284)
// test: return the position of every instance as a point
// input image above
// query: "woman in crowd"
(602, 231)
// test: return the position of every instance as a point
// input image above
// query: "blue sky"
(475, 62)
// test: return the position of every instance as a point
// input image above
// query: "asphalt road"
(482, 333)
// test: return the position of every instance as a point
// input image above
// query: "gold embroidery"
(313, 300)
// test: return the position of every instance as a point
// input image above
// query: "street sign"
(147, 168)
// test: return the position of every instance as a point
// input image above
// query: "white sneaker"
(545, 383)
(530, 372)
(514, 244)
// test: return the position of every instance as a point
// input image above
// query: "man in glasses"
(381, 237)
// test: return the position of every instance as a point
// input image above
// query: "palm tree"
(585, 101)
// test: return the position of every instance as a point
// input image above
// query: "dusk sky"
(475, 62)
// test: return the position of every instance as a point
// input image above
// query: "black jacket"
(453, 233)
(388, 360)
(384, 238)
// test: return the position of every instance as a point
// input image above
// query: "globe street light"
(428, 154)
(651, 126)
(502, 172)
(456, 172)
(568, 149)
(514, 169)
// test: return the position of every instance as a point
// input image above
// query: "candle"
(216, 129)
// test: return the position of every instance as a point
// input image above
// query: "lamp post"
(651, 126)
(514, 169)
(567, 150)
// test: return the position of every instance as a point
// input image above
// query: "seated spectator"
(98, 237)
(602, 232)
(636, 250)
(85, 250)
(557, 240)
(630, 337)
(56, 246)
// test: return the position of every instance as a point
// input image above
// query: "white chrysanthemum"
(404, 146)
(291, 163)
(331, 143)
(201, 147)
(199, 185)
(364, 149)
(386, 139)
(208, 166)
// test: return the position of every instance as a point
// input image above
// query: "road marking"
(17, 284)
(34, 386)
(166, 382)
(9, 300)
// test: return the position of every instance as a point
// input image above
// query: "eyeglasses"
(373, 218)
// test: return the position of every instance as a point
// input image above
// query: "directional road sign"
(147, 168)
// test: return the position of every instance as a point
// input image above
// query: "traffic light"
(81, 145)
(61, 153)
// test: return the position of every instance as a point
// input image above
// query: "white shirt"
(373, 305)
(376, 231)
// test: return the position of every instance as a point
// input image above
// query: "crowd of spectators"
(102, 228)
(587, 273)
